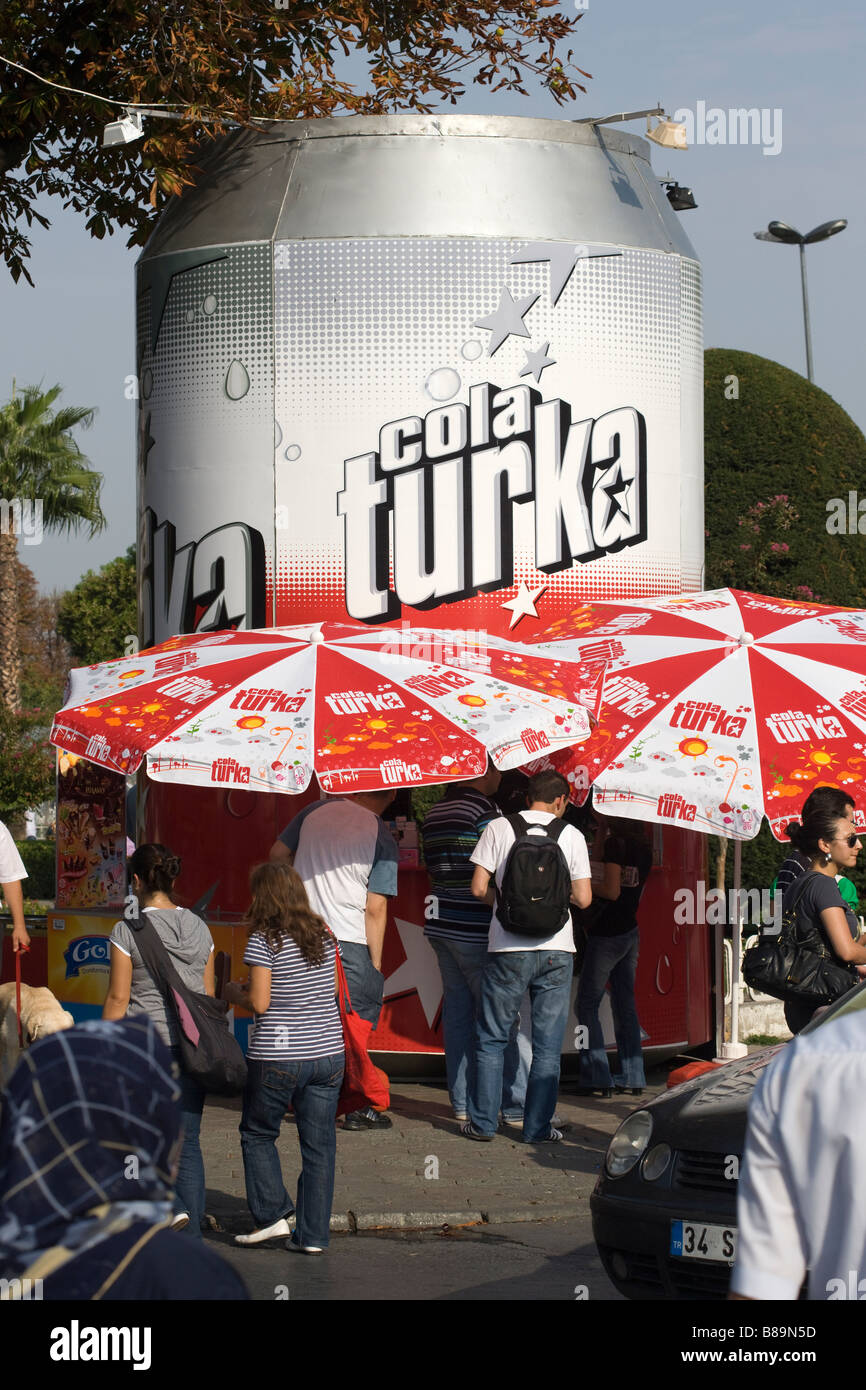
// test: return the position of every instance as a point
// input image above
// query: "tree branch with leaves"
(219, 62)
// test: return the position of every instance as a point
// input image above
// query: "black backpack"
(534, 895)
(210, 1053)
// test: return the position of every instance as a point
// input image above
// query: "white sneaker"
(554, 1136)
(283, 1227)
(180, 1221)
(517, 1121)
(304, 1249)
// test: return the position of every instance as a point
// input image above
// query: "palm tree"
(45, 482)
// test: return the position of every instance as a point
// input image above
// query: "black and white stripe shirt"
(303, 1021)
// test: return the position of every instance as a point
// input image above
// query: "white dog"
(40, 1014)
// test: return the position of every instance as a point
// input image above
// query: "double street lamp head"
(780, 231)
(784, 235)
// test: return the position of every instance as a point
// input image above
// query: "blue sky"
(77, 326)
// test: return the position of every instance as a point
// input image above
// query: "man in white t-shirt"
(347, 858)
(801, 1208)
(515, 964)
(12, 871)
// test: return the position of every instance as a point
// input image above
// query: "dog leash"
(18, 955)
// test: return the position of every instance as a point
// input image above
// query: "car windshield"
(850, 1003)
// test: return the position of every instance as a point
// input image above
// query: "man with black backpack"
(538, 864)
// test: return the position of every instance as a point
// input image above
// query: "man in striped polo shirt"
(457, 930)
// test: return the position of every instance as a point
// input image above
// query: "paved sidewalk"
(422, 1172)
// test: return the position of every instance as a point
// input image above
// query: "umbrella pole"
(719, 953)
(735, 1048)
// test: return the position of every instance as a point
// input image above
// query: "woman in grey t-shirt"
(831, 845)
(132, 990)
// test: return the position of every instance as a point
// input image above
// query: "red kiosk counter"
(672, 995)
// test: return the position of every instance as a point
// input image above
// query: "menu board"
(91, 835)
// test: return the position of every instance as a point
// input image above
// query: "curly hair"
(280, 908)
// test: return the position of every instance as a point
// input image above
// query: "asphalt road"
(526, 1261)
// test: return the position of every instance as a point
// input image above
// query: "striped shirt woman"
(296, 1058)
(302, 1019)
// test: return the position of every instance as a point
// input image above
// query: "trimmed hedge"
(39, 861)
(781, 435)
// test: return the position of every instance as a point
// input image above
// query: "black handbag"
(796, 963)
(210, 1053)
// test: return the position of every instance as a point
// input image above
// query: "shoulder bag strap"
(154, 956)
(519, 824)
(343, 996)
(791, 909)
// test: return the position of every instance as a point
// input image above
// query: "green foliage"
(775, 457)
(44, 655)
(217, 63)
(39, 458)
(763, 857)
(423, 799)
(99, 614)
(39, 861)
(26, 762)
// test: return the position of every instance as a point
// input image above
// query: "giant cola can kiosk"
(443, 371)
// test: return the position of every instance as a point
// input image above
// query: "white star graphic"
(537, 361)
(563, 257)
(523, 603)
(419, 971)
(507, 318)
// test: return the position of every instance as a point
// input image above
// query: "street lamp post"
(781, 233)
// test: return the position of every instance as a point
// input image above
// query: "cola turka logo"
(796, 726)
(229, 770)
(629, 695)
(703, 716)
(435, 503)
(675, 807)
(214, 583)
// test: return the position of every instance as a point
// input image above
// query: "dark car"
(664, 1209)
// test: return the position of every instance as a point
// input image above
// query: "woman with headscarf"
(90, 1134)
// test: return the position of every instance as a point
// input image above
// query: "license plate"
(694, 1241)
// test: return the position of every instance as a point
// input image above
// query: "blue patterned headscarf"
(89, 1135)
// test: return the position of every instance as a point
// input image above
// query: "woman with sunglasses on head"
(831, 844)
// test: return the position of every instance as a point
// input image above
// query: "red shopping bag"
(363, 1083)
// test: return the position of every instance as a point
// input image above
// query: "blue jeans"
(461, 965)
(507, 975)
(312, 1089)
(366, 983)
(612, 958)
(189, 1186)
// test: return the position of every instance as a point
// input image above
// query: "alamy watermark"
(15, 1290)
(737, 126)
(467, 649)
(714, 907)
(847, 516)
(22, 516)
(852, 1287)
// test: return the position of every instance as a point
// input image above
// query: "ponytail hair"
(156, 867)
(817, 824)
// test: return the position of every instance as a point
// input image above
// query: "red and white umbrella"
(718, 708)
(362, 708)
